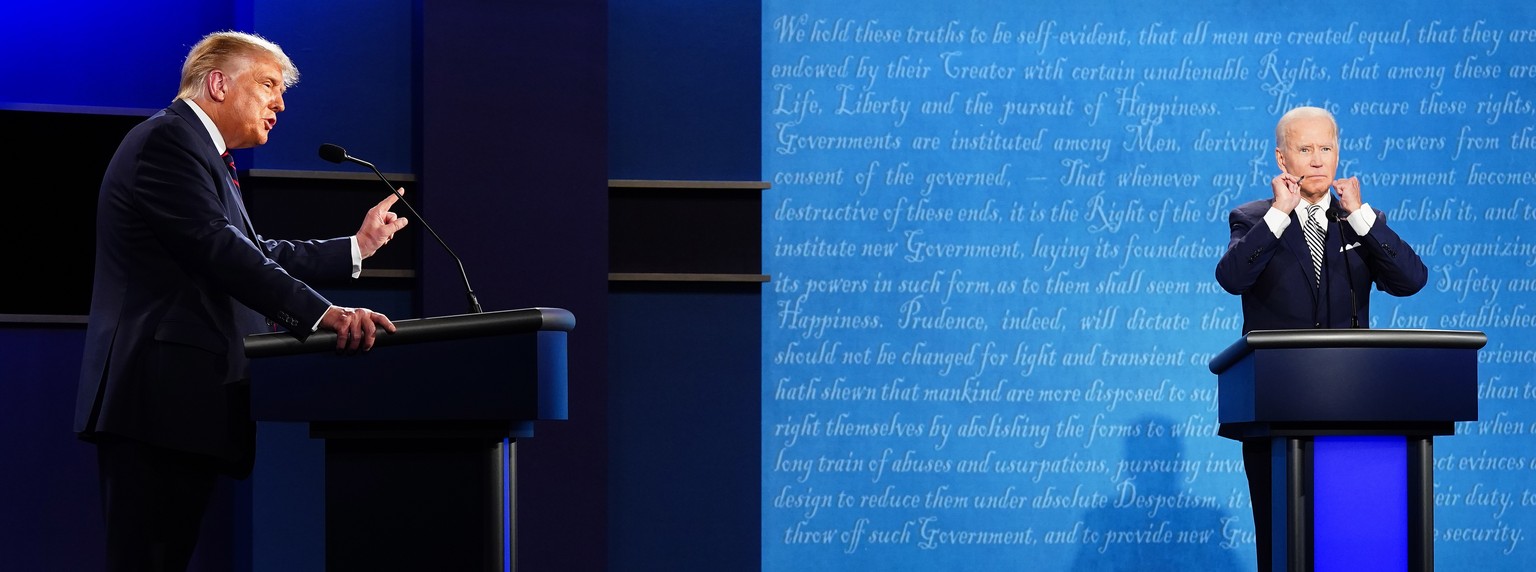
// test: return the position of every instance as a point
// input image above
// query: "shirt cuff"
(1362, 219)
(357, 257)
(1277, 221)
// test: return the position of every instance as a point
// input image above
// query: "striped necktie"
(1315, 241)
(245, 217)
(229, 161)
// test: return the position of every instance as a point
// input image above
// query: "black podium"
(1348, 417)
(419, 433)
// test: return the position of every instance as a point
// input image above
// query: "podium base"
(1344, 503)
(398, 502)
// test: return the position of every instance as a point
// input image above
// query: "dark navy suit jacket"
(180, 279)
(1275, 277)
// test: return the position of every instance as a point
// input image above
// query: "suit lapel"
(229, 192)
(235, 204)
(234, 201)
(1297, 244)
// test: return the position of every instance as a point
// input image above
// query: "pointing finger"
(389, 200)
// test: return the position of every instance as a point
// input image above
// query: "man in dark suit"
(181, 278)
(1307, 259)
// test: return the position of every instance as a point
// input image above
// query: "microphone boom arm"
(336, 154)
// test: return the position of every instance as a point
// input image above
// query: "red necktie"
(229, 161)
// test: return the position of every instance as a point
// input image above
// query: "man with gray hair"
(1306, 258)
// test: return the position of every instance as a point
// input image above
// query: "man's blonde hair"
(219, 49)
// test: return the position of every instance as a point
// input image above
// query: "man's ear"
(217, 85)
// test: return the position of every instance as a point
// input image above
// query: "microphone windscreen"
(332, 153)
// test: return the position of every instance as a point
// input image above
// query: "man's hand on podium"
(356, 328)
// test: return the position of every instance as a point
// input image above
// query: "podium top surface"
(418, 330)
(1345, 338)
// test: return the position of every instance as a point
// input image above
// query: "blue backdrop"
(992, 234)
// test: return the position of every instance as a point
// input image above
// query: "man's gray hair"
(1302, 113)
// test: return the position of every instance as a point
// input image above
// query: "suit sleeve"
(1251, 247)
(177, 195)
(1395, 267)
(328, 260)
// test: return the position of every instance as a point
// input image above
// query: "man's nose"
(277, 104)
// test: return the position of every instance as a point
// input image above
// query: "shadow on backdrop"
(1156, 521)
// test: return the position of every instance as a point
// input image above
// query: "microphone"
(1340, 218)
(336, 154)
(1334, 213)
